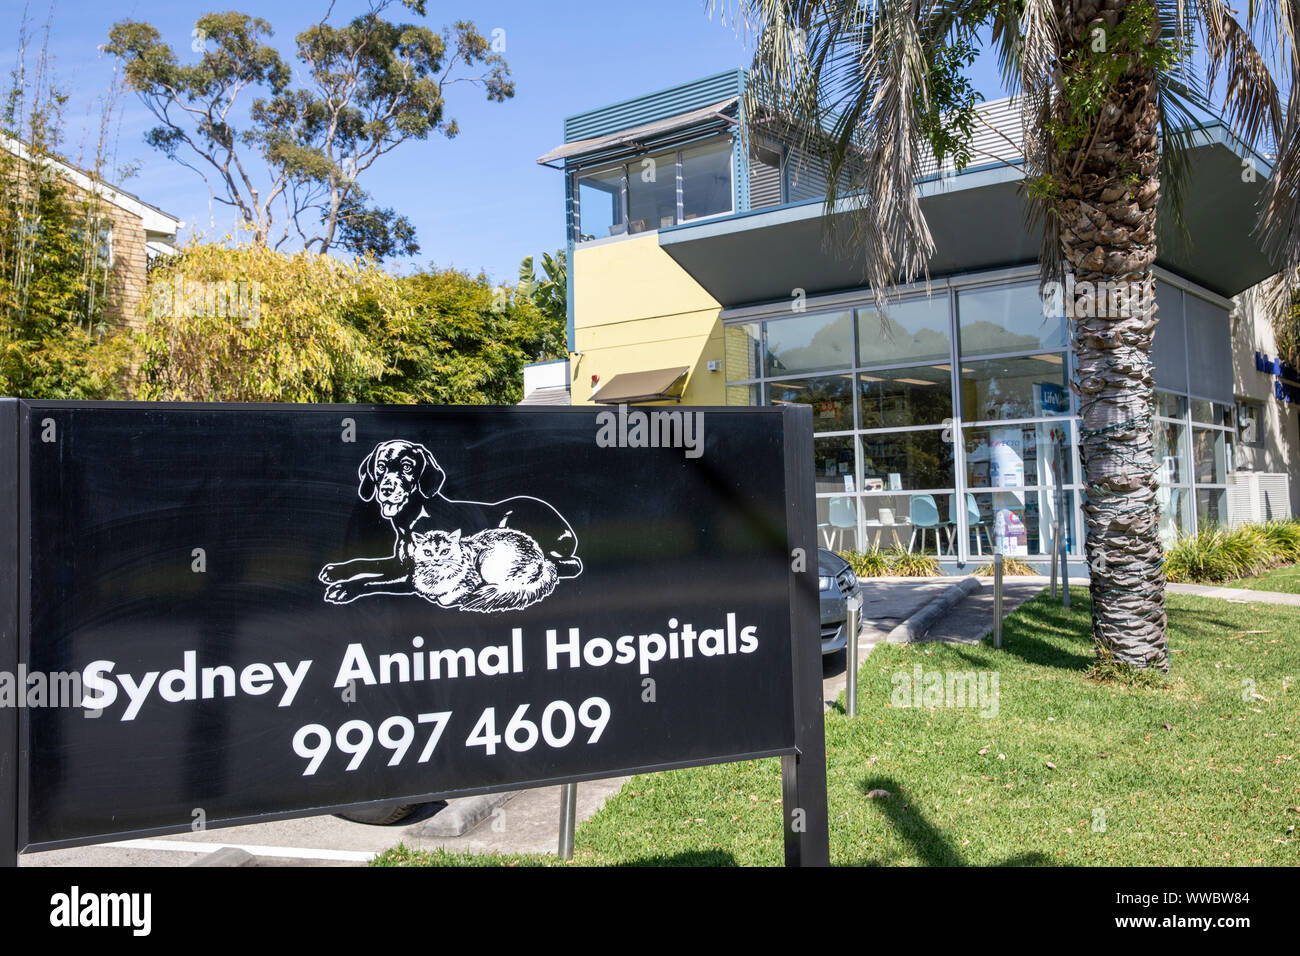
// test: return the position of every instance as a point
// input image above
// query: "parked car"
(836, 582)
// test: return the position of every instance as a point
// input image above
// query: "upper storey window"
(654, 190)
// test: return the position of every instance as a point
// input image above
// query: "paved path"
(527, 823)
(887, 602)
(1237, 595)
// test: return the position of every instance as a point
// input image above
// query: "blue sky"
(478, 201)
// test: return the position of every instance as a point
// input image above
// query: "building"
(700, 274)
(134, 233)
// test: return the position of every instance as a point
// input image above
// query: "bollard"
(568, 818)
(997, 601)
(1053, 567)
(853, 626)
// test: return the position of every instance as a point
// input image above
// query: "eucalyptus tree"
(1110, 92)
(290, 162)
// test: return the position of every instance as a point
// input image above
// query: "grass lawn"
(1205, 770)
(1280, 579)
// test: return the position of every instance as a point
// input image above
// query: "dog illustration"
(406, 481)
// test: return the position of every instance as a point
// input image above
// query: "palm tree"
(1109, 94)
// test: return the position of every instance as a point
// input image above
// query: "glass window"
(1170, 454)
(921, 395)
(1171, 405)
(912, 331)
(814, 342)
(1211, 508)
(652, 192)
(885, 520)
(1175, 512)
(1014, 388)
(742, 347)
(600, 204)
(837, 523)
(706, 179)
(836, 469)
(1203, 411)
(1210, 454)
(1008, 456)
(1018, 523)
(1007, 319)
(902, 461)
(831, 397)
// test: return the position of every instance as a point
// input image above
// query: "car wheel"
(382, 815)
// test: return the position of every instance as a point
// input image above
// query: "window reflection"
(902, 397)
(1027, 387)
(706, 180)
(831, 397)
(1210, 455)
(835, 470)
(1015, 455)
(901, 461)
(810, 343)
(600, 204)
(1170, 456)
(652, 192)
(1007, 319)
(912, 331)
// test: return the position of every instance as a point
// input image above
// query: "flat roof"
(979, 221)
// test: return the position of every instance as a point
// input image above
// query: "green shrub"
(1283, 539)
(1011, 567)
(875, 563)
(906, 565)
(867, 564)
(1215, 555)
(247, 324)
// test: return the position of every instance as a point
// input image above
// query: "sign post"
(257, 612)
(9, 630)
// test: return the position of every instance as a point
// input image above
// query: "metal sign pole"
(1060, 550)
(9, 628)
(997, 600)
(851, 655)
(1053, 549)
(568, 819)
(803, 773)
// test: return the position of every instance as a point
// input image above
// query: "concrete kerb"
(462, 814)
(915, 627)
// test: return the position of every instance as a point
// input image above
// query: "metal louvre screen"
(1209, 344)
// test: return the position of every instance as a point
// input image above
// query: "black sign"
(227, 614)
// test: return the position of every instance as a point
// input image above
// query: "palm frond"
(1025, 35)
(845, 85)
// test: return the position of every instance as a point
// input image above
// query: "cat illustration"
(499, 569)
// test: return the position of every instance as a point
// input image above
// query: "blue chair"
(974, 521)
(842, 515)
(924, 513)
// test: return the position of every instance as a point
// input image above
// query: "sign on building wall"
(1286, 378)
(239, 613)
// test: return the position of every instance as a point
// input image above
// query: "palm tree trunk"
(1106, 211)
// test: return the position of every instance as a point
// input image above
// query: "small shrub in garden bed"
(1216, 555)
(875, 563)
(1011, 567)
